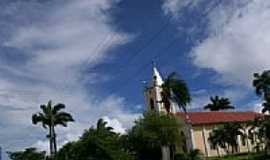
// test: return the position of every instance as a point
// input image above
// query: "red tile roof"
(198, 118)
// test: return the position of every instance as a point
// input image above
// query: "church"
(197, 125)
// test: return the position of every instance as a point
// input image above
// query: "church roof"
(199, 118)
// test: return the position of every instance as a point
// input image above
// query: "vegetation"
(256, 133)
(99, 143)
(192, 155)
(156, 135)
(152, 134)
(27, 154)
(175, 89)
(261, 84)
(50, 117)
(218, 103)
(225, 136)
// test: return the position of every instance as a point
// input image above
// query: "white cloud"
(41, 145)
(57, 40)
(238, 42)
(174, 7)
(115, 124)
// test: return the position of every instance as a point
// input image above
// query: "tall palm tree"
(261, 83)
(175, 89)
(218, 103)
(50, 117)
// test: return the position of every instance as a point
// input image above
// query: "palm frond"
(40, 118)
(58, 107)
(176, 89)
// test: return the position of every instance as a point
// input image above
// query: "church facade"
(198, 125)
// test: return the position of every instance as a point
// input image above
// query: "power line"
(108, 39)
(152, 39)
(143, 67)
(141, 50)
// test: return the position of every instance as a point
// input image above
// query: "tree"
(216, 140)
(155, 135)
(50, 117)
(27, 154)
(102, 126)
(175, 89)
(218, 103)
(256, 133)
(99, 143)
(259, 133)
(226, 136)
(261, 83)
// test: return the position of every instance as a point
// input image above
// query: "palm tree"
(261, 83)
(218, 103)
(226, 135)
(175, 89)
(216, 140)
(50, 117)
(256, 133)
(102, 125)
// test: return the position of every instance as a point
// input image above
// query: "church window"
(152, 104)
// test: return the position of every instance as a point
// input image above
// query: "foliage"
(256, 134)
(176, 89)
(219, 103)
(192, 155)
(261, 83)
(152, 132)
(50, 117)
(225, 136)
(27, 154)
(259, 133)
(99, 143)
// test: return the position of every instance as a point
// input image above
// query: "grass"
(244, 156)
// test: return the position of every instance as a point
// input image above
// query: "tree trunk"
(165, 150)
(172, 151)
(267, 147)
(54, 140)
(50, 140)
(248, 145)
(218, 153)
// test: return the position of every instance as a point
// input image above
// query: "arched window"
(152, 104)
(166, 101)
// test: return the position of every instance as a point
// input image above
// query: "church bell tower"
(153, 95)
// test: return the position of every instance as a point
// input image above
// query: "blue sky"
(93, 55)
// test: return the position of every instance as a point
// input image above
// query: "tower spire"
(158, 81)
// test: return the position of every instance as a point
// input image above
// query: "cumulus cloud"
(115, 124)
(237, 44)
(46, 48)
